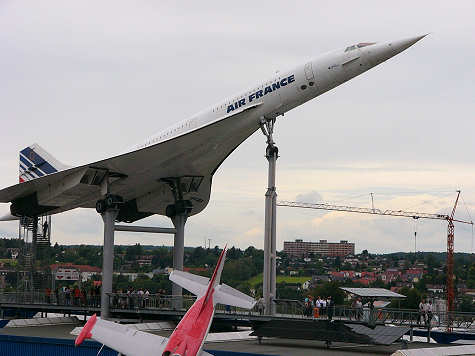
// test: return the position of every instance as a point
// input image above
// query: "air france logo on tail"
(260, 93)
(32, 164)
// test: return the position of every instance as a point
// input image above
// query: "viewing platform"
(136, 308)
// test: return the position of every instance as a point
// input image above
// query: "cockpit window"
(359, 45)
(364, 44)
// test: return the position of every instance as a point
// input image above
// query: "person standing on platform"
(84, 296)
(98, 295)
(429, 312)
(77, 295)
(260, 306)
(146, 298)
(45, 228)
(359, 309)
(317, 304)
(48, 295)
(67, 295)
(421, 315)
(323, 303)
(330, 308)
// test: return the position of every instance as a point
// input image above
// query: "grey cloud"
(310, 197)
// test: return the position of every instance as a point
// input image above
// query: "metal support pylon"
(178, 256)
(109, 209)
(108, 217)
(178, 213)
(269, 279)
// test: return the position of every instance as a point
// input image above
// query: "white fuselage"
(289, 89)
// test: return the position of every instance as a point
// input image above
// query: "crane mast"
(408, 214)
(450, 263)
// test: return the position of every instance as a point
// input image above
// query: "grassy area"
(287, 279)
(9, 261)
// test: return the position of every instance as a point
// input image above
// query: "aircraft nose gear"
(110, 201)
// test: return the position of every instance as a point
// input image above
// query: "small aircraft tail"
(35, 162)
(216, 277)
(202, 286)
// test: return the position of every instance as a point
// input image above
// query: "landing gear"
(101, 206)
(110, 201)
(181, 207)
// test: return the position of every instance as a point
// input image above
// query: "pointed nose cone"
(401, 45)
(381, 52)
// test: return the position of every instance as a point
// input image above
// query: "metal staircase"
(36, 233)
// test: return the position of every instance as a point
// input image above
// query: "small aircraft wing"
(227, 295)
(121, 338)
(191, 282)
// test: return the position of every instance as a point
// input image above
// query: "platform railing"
(40, 297)
(284, 308)
(148, 301)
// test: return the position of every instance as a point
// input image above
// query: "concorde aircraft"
(171, 172)
(190, 334)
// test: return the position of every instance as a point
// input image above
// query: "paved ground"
(306, 348)
(281, 347)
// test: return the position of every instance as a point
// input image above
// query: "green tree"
(330, 289)
(412, 300)
(132, 252)
(466, 304)
(471, 276)
(285, 291)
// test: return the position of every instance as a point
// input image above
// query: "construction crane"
(408, 214)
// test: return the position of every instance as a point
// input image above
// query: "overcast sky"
(87, 79)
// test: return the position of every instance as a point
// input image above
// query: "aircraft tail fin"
(216, 277)
(36, 162)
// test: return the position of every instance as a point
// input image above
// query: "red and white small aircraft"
(189, 336)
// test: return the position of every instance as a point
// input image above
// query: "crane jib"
(352, 209)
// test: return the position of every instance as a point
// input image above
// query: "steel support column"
(178, 213)
(108, 217)
(269, 278)
(178, 255)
